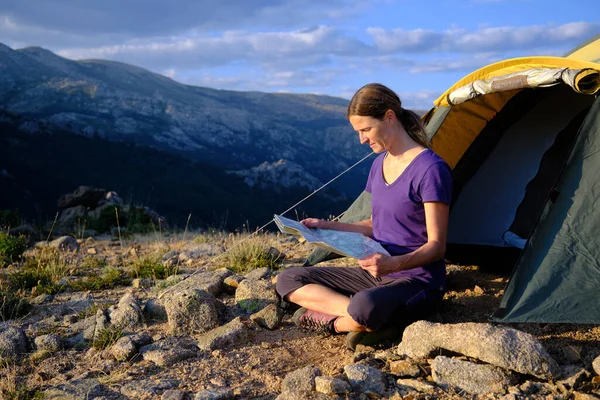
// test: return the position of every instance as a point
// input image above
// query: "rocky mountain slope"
(122, 102)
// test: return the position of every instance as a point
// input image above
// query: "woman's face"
(371, 131)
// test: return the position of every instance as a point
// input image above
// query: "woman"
(411, 190)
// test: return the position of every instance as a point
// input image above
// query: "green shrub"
(247, 254)
(12, 305)
(11, 248)
(41, 273)
(151, 267)
(108, 278)
(138, 221)
(107, 337)
(107, 220)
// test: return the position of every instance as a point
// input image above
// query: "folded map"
(350, 244)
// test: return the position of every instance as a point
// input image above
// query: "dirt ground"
(256, 368)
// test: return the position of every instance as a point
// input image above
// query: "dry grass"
(247, 252)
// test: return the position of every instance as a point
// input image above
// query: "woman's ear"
(389, 116)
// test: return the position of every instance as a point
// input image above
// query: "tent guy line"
(267, 224)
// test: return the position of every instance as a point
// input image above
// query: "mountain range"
(44, 96)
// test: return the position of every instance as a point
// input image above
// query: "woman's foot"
(314, 320)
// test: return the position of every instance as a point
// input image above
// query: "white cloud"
(503, 38)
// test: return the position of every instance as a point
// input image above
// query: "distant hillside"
(36, 169)
(149, 126)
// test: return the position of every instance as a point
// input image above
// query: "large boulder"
(253, 296)
(13, 342)
(190, 311)
(128, 312)
(501, 346)
(470, 377)
(82, 196)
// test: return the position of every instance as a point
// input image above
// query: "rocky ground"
(222, 333)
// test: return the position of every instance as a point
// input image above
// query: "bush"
(138, 221)
(11, 248)
(107, 337)
(107, 220)
(41, 273)
(246, 254)
(12, 305)
(108, 278)
(151, 267)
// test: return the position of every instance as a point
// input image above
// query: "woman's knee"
(290, 280)
(366, 310)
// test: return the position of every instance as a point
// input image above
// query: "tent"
(522, 137)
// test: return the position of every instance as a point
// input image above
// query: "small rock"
(478, 290)
(42, 299)
(124, 349)
(172, 394)
(596, 365)
(49, 342)
(253, 296)
(147, 388)
(258, 273)
(13, 342)
(191, 311)
(144, 283)
(404, 368)
(167, 352)
(128, 312)
(66, 243)
(408, 385)
(233, 281)
(365, 379)
(70, 319)
(91, 250)
(155, 310)
(215, 394)
(224, 336)
(269, 317)
(329, 385)
(301, 380)
(573, 376)
(584, 396)
(470, 377)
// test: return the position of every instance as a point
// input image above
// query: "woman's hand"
(379, 265)
(314, 223)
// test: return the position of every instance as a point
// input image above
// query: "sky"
(331, 47)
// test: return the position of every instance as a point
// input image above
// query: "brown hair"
(374, 100)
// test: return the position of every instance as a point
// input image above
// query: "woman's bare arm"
(365, 227)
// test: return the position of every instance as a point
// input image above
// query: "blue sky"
(333, 47)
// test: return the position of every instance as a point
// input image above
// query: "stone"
(124, 349)
(408, 385)
(404, 368)
(13, 342)
(173, 394)
(501, 346)
(300, 381)
(191, 311)
(269, 317)
(77, 389)
(77, 302)
(224, 337)
(92, 251)
(147, 388)
(71, 216)
(49, 342)
(596, 365)
(470, 377)
(573, 376)
(233, 281)
(128, 312)
(253, 296)
(215, 394)
(207, 281)
(67, 243)
(365, 379)
(155, 310)
(42, 299)
(167, 352)
(144, 283)
(84, 195)
(258, 274)
(584, 396)
(330, 385)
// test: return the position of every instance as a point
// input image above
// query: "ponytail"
(414, 127)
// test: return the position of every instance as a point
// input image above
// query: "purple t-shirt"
(399, 214)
